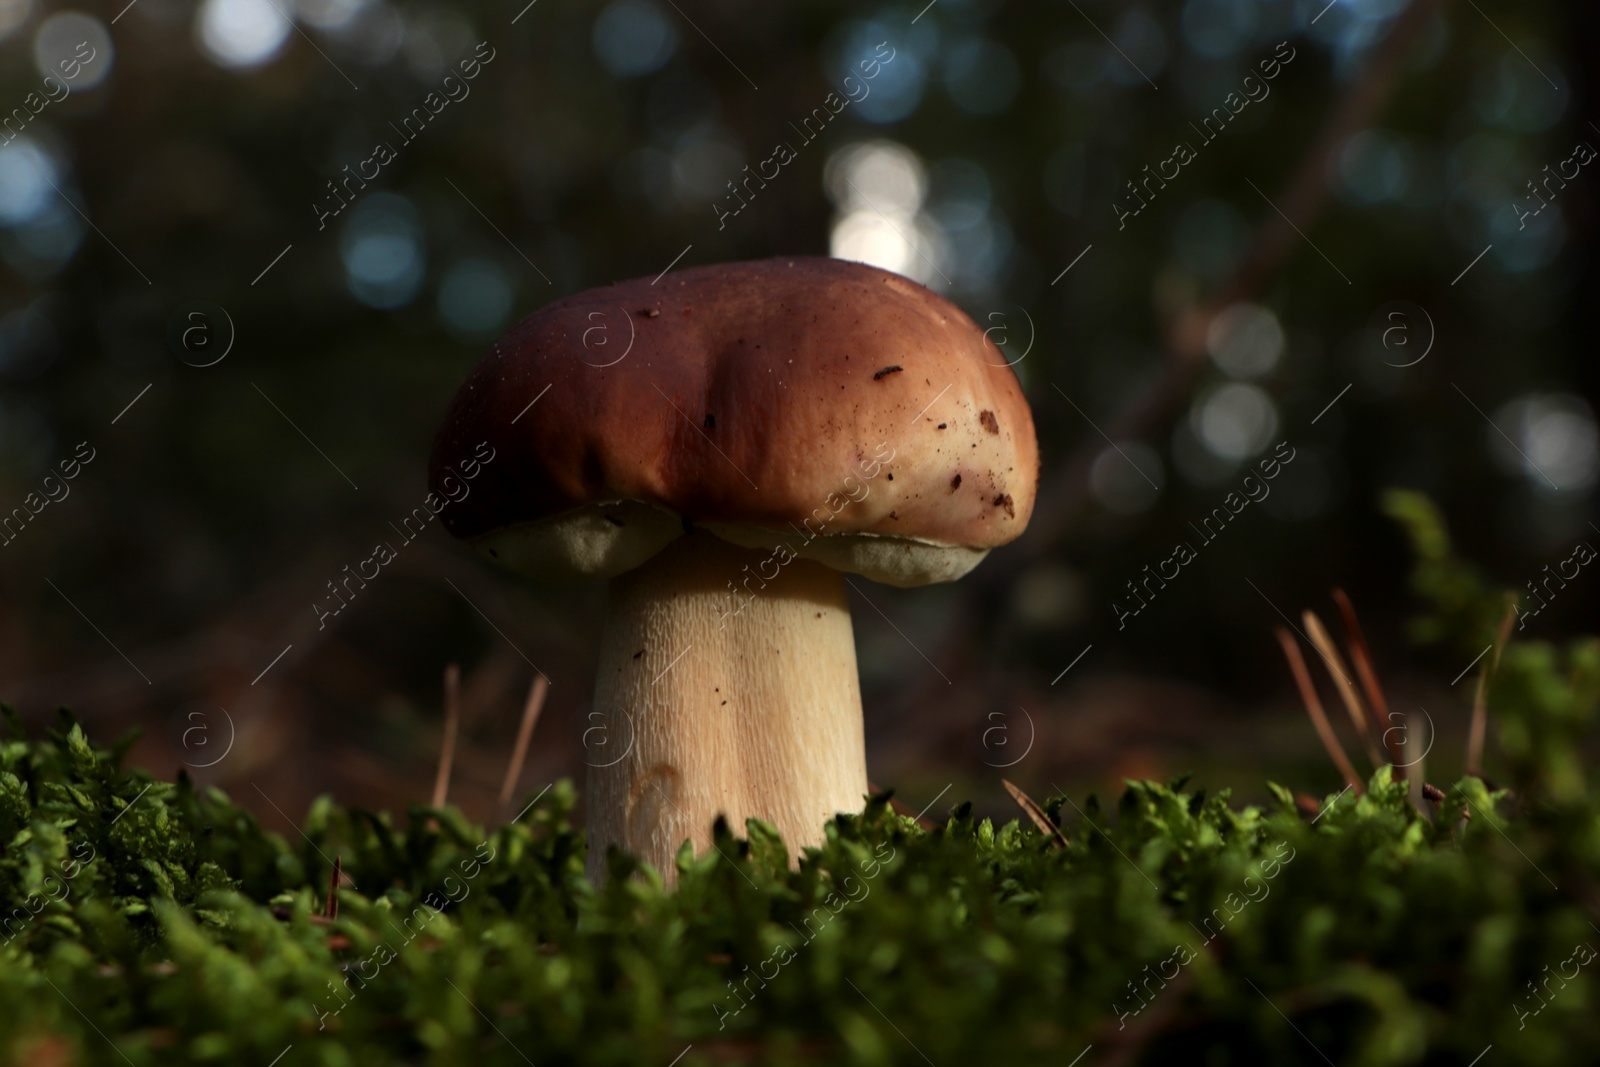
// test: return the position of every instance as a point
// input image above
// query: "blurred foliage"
(1374, 934)
(1466, 609)
(1544, 695)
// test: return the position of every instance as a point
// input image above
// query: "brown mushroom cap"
(838, 409)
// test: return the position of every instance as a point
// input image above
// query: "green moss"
(1175, 929)
(185, 933)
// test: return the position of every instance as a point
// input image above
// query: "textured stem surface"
(741, 702)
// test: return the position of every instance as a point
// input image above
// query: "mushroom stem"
(723, 689)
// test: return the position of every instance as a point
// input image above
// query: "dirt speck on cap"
(885, 372)
(990, 423)
(955, 483)
(1003, 500)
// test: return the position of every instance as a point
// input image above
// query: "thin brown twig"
(530, 717)
(1319, 718)
(332, 909)
(1040, 817)
(1361, 657)
(452, 721)
(1480, 700)
(1318, 633)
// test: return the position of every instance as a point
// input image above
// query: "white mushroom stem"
(740, 705)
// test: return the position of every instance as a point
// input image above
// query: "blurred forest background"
(1363, 234)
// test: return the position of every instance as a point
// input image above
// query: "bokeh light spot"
(13, 16)
(1127, 478)
(329, 14)
(1235, 421)
(1141, 50)
(382, 249)
(1218, 29)
(80, 41)
(1375, 166)
(1245, 340)
(633, 38)
(39, 247)
(239, 34)
(475, 297)
(26, 177)
(894, 92)
(981, 76)
(882, 175)
(1557, 445)
(879, 188)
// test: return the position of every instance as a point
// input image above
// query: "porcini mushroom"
(723, 444)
